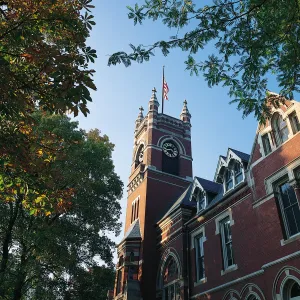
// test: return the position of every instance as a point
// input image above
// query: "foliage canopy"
(56, 207)
(252, 39)
(44, 57)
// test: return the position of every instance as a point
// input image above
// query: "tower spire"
(153, 103)
(139, 118)
(185, 115)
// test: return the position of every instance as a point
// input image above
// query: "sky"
(216, 125)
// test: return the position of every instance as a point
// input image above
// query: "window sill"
(291, 239)
(201, 281)
(229, 269)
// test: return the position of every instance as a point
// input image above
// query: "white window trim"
(229, 269)
(195, 233)
(286, 170)
(199, 231)
(227, 213)
(290, 238)
(222, 216)
(132, 206)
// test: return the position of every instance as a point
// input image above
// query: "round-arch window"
(291, 290)
(253, 297)
(295, 291)
(139, 156)
(171, 287)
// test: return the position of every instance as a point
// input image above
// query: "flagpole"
(162, 91)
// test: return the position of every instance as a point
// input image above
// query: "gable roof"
(133, 231)
(209, 186)
(182, 200)
(243, 156)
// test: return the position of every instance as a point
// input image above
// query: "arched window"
(171, 287)
(228, 180)
(253, 297)
(291, 290)
(238, 172)
(139, 156)
(280, 129)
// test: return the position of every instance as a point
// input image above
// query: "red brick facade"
(231, 238)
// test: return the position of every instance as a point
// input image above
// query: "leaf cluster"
(57, 206)
(253, 40)
(44, 57)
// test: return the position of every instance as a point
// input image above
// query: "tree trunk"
(8, 236)
(21, 274)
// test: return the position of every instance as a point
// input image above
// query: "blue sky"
(216, 125)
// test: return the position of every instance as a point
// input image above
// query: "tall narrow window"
(119, 278)
(199, 256)
(226, 239)
(279, 128)
(266, 144)
(238, 172)
(228, 180)
(294, 122)
(289, 208)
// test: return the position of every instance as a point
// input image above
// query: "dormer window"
(228, 180)
(238, 173)
(280, 129)
(200, 197)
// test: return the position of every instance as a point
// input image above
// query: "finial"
(154, 90)
(140, 117)
(185, 114)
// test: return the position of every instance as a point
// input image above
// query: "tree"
(44, 57)
(252, 38)
(92, 284)
(56, 207)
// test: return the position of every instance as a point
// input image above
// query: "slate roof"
(133, 231)
(243, 156)
(182, 200)
(210, 186)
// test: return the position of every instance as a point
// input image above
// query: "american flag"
(165, 89)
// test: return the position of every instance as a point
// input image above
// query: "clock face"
(170, 149)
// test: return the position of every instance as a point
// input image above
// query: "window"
(290, 210)
(228, 180)
(171, 285)
(226, 240)
(291, 290)
(139, 156)
(294, 122)
(266, 143)
(280, 129)
(200, 269)
(119, 278)
(200, 197)
(131, 257)
(238, 172)
(135, 210)
(253, 297)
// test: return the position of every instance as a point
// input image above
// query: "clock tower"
(161, 170)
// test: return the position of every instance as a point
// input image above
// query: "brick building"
(236, 236)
